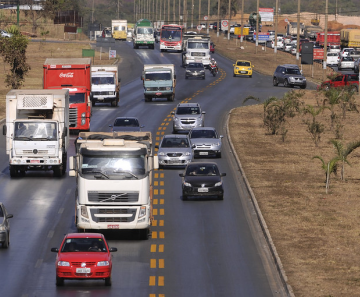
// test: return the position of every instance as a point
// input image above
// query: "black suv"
(289, 75)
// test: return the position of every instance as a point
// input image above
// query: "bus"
(171, 37)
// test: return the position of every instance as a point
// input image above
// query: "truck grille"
(73, 117)
(39, 152)
(112, 197)
(103, 93)
(197, 54)
(157, 89)
(116, 212)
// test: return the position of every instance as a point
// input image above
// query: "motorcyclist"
(213, 63)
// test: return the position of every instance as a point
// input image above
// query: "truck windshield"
(171, 35)
(29, 131)
(102, 80)
(113, 167)
(145, 31)
(77, 98)
(158, 76)
(198, 45)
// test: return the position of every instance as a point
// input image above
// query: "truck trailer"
(105, 84)
(119, 29)
(72, 74)
(350, 37)
(144, 34)
(159, 80)
(113, 173)
(36, 130)
(333, 38)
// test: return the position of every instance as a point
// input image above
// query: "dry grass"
(316, 234)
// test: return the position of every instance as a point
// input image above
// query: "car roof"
(290, 66)
(203, 128)
(188, 104)
(202, 163)
(243, 61)
(84, 235)
(176, 136)
(124, 118)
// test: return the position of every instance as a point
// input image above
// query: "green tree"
(329, 167)
(314, 127)
(333, 98)
(343, 153)
(13, 51)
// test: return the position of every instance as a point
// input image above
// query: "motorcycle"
(213, 69)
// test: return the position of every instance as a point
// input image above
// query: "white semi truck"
(113, 173)
(105, 84)
(196, 49)
(36, 129)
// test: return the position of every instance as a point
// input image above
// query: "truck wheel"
(148, 98)
(13, 171)
(143, 234)
(93, 103)
(64, 158)
(114, 103)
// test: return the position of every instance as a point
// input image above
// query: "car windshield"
(195, 65)
(126, 123)
(198, 45)
(171, 35)
(29, 131)
(175, 142)
(292, 71)
(242, 63)
(187, 110)
(145, 31)
(83, 245)
(348, 59)
(203, 134)
(202, 169)
(126, 166)
(332, 54)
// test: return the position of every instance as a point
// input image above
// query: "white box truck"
(36, 129)
(105, 84)
(197, 49)
(113, 173)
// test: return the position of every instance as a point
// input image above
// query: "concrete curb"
(260, 217)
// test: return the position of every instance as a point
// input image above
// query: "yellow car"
(242, 67)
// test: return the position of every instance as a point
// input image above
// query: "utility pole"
(218, 22)
(325, 39)
(199, 21)
(208, 15)
(229, 20)
(276, 26)
(242, 21)
(298, 35)
(192, 14)
(92, 12)
(257, 26)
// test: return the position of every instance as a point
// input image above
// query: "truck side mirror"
(4, 130)
(174, 76)
(119, 80)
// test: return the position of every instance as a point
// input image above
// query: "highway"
(198, 247)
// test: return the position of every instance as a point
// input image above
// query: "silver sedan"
(175, 150)
(206, 142)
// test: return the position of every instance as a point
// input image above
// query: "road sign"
(286, 20)
(206, 18)
(199, 27)
(224, 23)
(112, 53)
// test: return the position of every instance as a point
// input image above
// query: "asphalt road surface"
(198, 247)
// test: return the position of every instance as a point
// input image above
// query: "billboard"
(266, 14)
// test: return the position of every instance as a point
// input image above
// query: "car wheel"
(339, 68)
(184, 197)
(58, 170)
(161, 166)
(59, 281)
(221, 197)
(354, 88)
(108, 281)
(303, 87)
(203, 77)
(6, 243)
(275, 82)
(93, 103)
(250, 76)
(218, 155)
(114, 103)
(234, 75)
(326, 87)
(186, 77)
(147, 99)
(286, 83)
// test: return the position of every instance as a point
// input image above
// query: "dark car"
(289, 75)
(126, 124)
(195, 70)
(212, 47)
(4, 227)
(202, 179)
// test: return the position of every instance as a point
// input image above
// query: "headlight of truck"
(188, 71)
(63, 263)
(142, 211)
(84, 212)
(218, 184)
(103, 263)
(83, 115)
(168, 88)
(148, 89)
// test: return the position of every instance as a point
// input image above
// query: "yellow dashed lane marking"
(152, 263)
(154, 234)
(161, 223)
(155, 212)
(156, 192)
(161, 248)
(161, 281)
(153, 248)
(154, 223)
(162, 201)
(162, 234)
(152, 280)
(161, 263)
(162, 212)
(162, 191)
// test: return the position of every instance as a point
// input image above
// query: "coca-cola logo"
(66, 75)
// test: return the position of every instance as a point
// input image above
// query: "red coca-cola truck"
(333, 38)
(73, 74)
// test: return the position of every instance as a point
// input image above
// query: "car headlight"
(304, 78)
(187, 154)
(187, 184)
(218, 184)
(202, 71)
(161, 154)
(63, 263)
(249, 69)
(217, 144)
(188, 71)
(237, 68)
(142, 211)
(291, 78)
(176, 119)
(103, 263)
(2, 228)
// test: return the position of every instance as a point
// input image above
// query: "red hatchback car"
(83, 256)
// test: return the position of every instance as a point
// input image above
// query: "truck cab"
(197, 48)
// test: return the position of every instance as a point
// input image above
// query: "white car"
(293, 49)
(287, 47)
(3, 33)
(334, 49)
(346, 63)
(280, 43)
(332, 59)
(346, 51)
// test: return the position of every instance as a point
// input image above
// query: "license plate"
(83, 270)
(113, 226)
(203, 153)
(242, 71)
(35, 161)
(158, 94)
(203, 190)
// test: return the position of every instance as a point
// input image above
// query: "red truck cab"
(341, 80)
(72, 74)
